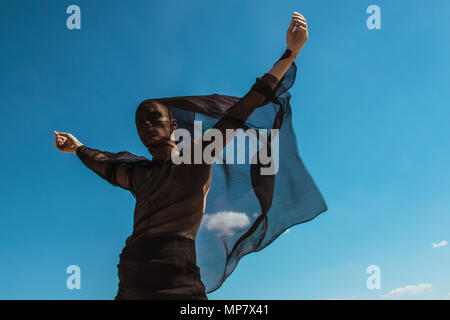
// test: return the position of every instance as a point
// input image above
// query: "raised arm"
(105, 164)
(264, 88)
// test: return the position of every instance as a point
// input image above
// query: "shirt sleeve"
(260, 94)
(110, 166)
(271, 84)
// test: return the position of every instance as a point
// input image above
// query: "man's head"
(155, 124)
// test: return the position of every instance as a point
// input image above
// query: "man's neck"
(163, 153)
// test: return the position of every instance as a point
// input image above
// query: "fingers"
(295, 14)
(305, 29)
(59, 140)
(298, 21)
(63, 135)
(291, 26)
(58, 145)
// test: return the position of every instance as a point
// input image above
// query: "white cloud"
(443, 243)
(226, 221)
(409, 290)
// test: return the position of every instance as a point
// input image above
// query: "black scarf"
(245, 210)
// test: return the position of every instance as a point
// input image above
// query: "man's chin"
(157, 145)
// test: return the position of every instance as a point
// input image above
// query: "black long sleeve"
(109, 166)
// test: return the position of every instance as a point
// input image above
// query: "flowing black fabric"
(246, 211)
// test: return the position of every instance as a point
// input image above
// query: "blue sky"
(370, 110)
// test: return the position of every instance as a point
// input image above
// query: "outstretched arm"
(296, 37)
(263, 89)
(101, 162)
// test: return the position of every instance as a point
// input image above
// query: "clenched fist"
(65, 142)
(297, 33)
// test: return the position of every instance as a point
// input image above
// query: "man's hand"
(295, 39)
(65, 142)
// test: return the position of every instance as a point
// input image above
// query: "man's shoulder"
(130, 157)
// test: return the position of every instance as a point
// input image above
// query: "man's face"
(154, 125)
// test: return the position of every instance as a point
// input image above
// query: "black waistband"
(160, 247)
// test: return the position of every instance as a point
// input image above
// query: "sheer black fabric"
(245, 209)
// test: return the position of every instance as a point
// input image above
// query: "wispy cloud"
(443, 243)
(409, 290)
(226, 221)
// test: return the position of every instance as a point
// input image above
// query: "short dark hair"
(152, 102)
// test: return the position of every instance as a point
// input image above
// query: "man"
(159, 259)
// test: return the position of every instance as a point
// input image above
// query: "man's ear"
(174, 124)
